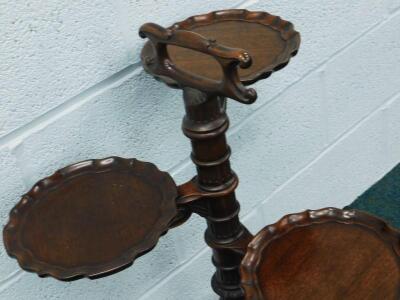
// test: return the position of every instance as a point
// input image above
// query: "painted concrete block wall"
(71, 88)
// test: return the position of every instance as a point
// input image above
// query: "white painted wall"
(71, 88)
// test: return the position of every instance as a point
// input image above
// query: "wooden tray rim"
(26, 259)
(285, 28)
(252, 259)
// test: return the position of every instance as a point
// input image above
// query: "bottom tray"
(325, 254)
(91, 218)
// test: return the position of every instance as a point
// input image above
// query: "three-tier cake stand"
(95, 217)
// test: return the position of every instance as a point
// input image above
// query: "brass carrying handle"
(229, 58)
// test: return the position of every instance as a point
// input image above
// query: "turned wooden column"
(205, 123)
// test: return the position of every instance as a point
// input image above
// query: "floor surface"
(383, 198)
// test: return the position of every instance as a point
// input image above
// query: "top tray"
(269, 40)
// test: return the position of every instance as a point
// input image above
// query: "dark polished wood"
(205, 124)
(326, 254)
(91, 218)
(203, 52)
(269, 40)
(96, 217)
(211, 57)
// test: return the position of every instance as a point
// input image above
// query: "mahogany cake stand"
(95, 217)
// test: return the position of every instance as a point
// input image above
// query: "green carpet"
(383, 198)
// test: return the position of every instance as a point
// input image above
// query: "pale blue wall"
(71, 88)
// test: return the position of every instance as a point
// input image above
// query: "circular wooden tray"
(268, 39)
(91, 218)
(325, 254)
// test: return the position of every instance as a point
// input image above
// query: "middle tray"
(91, 218)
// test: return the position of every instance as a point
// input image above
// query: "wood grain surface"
(327, 254)
(91, 218)
(204, 52)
